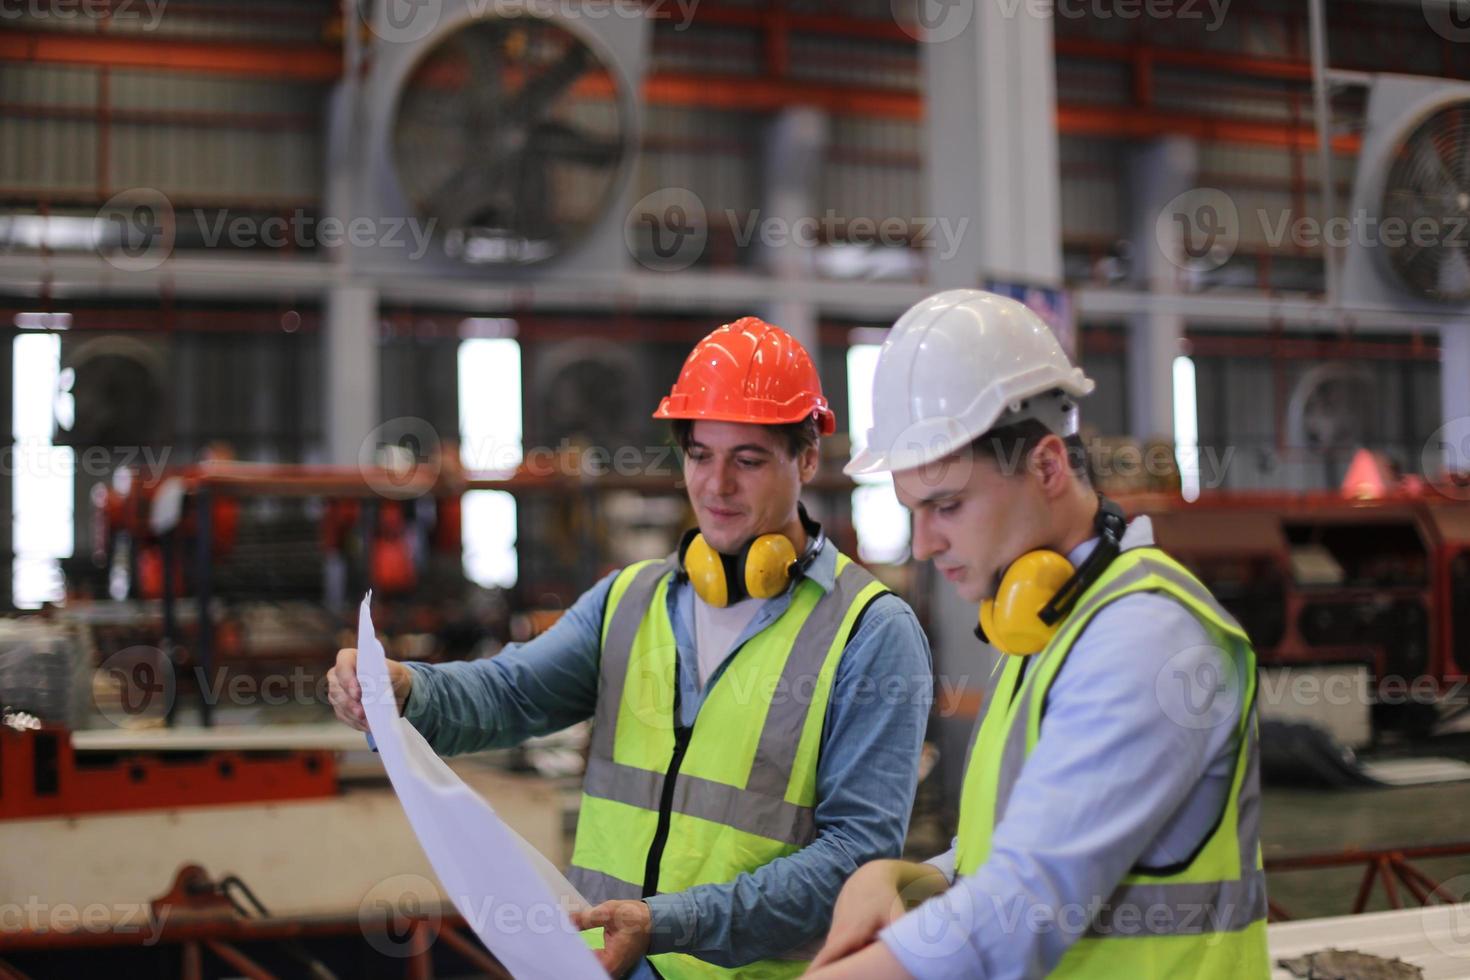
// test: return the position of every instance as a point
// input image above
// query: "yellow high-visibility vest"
(666, 808)
(1205, 917)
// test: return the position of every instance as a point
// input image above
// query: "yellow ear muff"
(987, 624)
(706, 572)
(766, 567)
(1012, 620)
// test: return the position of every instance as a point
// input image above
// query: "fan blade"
(562, 142)
(1442, 138)
(469, 190)
(1428, 171)
(539, 92)
(482, 45)
(1453, 278)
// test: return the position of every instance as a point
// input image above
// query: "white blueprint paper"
(508, 892)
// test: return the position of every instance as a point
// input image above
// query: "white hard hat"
(956, 365)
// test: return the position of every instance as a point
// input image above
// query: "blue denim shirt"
(866, 775)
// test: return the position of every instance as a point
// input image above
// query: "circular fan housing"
(1429, 178)
(509, 136)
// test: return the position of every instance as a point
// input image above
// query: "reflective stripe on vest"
(1147, 906)
(774, 690)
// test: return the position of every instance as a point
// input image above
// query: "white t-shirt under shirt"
(716, 630)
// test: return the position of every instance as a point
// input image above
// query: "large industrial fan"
(1410, 244)
(511, 138)
(1429, 181)
(117, 387)
(1333, 409)
(589, 392)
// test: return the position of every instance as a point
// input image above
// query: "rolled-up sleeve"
(1145, 706)
(866, 779)
(527, 689)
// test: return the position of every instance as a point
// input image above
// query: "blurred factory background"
(305, 298)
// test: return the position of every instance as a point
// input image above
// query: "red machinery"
(42, 776)
(1322, 579)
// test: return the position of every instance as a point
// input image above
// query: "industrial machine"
(1324, 580)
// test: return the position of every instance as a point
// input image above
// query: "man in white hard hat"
(1109, 821)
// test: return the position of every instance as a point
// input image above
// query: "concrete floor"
(1303, 821)
(1314, 821)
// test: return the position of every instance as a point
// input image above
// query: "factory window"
(490, 442)
(881, 522)
(1186, 427)
(42, 520)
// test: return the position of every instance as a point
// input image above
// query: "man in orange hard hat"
(758, 699)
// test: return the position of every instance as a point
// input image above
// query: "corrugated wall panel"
(726, 175)
(48, 155)
(297, 22)
(872, 170)
(876, 64)
(1093, 188)
(1092, 82)
(700, 47)
(48, 85)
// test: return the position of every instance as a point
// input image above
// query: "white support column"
(991, 144)
(1454, 388)
(350, 353)
(350, 349)
(1159, 172)
(796, 143)
(1154, 340)
(991, 154)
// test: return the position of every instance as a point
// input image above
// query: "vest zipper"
(665, 812)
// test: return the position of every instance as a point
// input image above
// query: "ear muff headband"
(1041, 587)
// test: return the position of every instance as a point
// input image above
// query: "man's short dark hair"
(796, 437)
(1010, 446)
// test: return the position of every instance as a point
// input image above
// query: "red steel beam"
(695, 90)
(301, 62)
(1284, 69)
(1128, 122)
(747, 93)
(193, 118)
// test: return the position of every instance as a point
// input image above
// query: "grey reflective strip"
(596, 886)
(1190, 585)
(1248, 802)
(775, 753)
(617, 651)
(608, 780)
(1182, 908)
(731, 806)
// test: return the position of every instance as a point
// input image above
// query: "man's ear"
(1050, 464)
(808, 461)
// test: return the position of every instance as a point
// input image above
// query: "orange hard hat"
(749, 371)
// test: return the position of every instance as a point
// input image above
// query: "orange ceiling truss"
(322, 63)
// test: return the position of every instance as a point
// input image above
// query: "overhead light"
(487, 326)
(43, 321)
(62, 233)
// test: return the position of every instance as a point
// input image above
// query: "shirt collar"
(823, 569)
(1139, 534)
